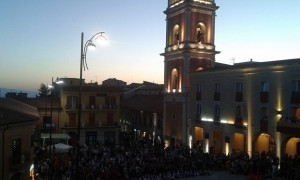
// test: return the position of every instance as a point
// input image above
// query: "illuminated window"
(174, 80)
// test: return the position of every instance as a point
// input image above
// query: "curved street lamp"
(83, 64)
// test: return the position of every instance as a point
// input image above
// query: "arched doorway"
(264, 143)
(198, 137)
(292, 147)
(238, 142)
(216, 142)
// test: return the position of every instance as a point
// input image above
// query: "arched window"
(174, 79)
(176, 34)
(201, 33)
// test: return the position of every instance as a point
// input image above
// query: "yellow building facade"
(99, 112)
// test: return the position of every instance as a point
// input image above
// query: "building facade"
(142, 111)
(16, 133)
(99, 112)
(251, 107)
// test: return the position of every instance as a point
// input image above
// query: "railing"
(173, 3)
(289, 126)
(92, 107)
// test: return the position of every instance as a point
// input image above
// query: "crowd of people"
(146, 160)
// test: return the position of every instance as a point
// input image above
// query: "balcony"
(289, 126)
(239, 122)
(97, 107)
(264, 126)
(71, 107)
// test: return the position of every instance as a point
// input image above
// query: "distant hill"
(3, 91)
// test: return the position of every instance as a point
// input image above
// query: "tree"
(43, 90)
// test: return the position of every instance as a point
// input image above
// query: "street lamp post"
(83, 65)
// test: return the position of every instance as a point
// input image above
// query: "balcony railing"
(92, 107)
(289, 126)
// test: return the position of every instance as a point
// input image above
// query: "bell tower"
(190, 32)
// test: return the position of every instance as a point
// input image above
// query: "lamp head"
(101, 39)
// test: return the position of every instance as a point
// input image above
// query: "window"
(198, 111)
(90, 138)
(295, 114)
(217, 92)
(174, 80)
(200, 33)
(92, 102)
(110, 102)
(72, 102)
(92, 119)
(264, 119)
(217, 113)
(264, 92)
(264, 114)
(238, 115)
(47, 124)
(264, 86)
(16, 151)
(296, 86)
(198, 92)
(176, 34)
(72, 120)
(110, 119)
(239, 92)
(295, 97)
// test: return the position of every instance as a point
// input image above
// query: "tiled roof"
(13, 111)
(43, 103)
(93, 89)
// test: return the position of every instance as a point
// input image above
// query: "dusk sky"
(41, 39)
